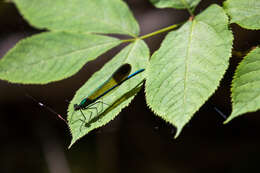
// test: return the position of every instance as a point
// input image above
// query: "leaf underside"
(244, 13)
(101, 16)
(246, 86)
(52, 56)
(179, 4)
(136, 54)
(187, 68)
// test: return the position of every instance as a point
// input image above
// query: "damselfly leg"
(90, 109)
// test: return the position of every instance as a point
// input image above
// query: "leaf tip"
(227, 121)
(231, 117)
(178, 131)
(73, 140)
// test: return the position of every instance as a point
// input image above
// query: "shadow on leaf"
(120, 100)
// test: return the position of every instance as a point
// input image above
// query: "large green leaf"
(136, 54)
(53, 56)
(179, 4)
(246, 85)
(187, 68)
(245, 13)
(98, 16)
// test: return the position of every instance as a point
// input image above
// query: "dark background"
(35, 140)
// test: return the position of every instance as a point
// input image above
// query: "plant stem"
(154, 33)
(240, 54)
(159, 31)
(129, 40)
(187, 6)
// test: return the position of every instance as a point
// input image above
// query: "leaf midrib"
(186, 65)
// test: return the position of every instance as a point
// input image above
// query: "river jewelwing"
(115, 80)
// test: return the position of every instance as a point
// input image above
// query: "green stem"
(154, 33)
(187, 6)
(129, 40)
(159, 31)
(240, 54)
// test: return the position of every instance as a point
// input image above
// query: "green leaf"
(136, 54)
(52, 56)
(245, 13)
(98, 16)
(246, 86)
(188, 67)
(179, 4)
